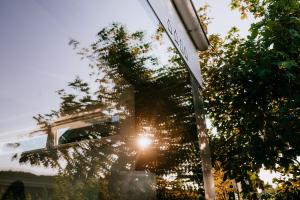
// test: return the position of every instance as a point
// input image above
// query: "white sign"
(169, 18)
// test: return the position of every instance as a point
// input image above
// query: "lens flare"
(144, 142)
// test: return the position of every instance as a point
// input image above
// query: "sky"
(36, 60)
(224, 18)
(35, 57)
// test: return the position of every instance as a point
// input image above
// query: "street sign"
(170, 19)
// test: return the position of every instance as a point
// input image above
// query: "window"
(81, 83)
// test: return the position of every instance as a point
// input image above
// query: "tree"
(252, 92)
(224, 186)
(124, 69)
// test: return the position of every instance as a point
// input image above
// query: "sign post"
(175, 29)
(205, 154)
(182, 25)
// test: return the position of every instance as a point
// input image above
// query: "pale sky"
(224, 18)
(36, 59)
(34, 37)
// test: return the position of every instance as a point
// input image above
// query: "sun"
(144, 142)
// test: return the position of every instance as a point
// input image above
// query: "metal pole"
(205, 155)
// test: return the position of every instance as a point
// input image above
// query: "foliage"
(256, 7)
(288, 186)
(252, 93)
(223, 186)
(128, 81)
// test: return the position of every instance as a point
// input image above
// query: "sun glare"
(144, 142)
